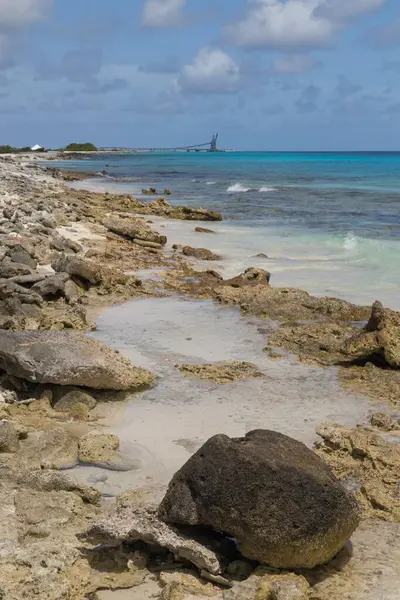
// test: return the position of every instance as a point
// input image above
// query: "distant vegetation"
(12, 150)
(88, 147)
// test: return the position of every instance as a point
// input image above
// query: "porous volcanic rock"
(271, 493)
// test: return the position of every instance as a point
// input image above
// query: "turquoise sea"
(328, 222)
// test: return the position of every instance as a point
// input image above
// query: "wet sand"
(162, 427)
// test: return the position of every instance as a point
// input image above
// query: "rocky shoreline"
(64, 255)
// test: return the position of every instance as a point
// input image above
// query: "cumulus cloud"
(163, 13)
(18, 13)
(14, 15)
(297, 23)
(212, 72)
(295, 64)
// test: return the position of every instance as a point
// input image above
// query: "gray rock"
(11, 269)
(19, 254)
(82, 268)
(271, 493)
(71, 291)
(11, 290)
(9, 439)
(68, 359)
(135, 230)
(132, 523)
(49, 223)
(53, 285)
(63, 244)
(28, 280)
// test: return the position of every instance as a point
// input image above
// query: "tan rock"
(9, 438)
(200, 253)
(51, 450)
(75, 396)
(222, 372)
(290, 587)
(98, 448)
(183, 585)
(367, 457)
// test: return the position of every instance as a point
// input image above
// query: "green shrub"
(87, 147)
(7, 150)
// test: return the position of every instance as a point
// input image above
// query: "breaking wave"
(350, 241)
(237, 187)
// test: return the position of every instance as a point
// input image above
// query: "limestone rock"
(290, 587)
(82, 268)
(13, 291)
(266, 584)
(250, 277)
(135, 230)
(367, 457)
(68, 359)
(51, 286)
(268, 491)
(203, 230)
(379, 341)
(101, 449)
(183, 584)
(73, 397)
(200, 253)
(63, 244)
(222, 372)
(11, 269)
(133, 523)
(52, 450)
(71, 291)
(19, 254)
(384, 422)
(9, 438)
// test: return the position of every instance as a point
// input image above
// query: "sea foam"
(265, 188)
(350, 241)
(237, 187)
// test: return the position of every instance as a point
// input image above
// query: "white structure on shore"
(36, 148)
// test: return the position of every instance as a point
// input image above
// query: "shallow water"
(330, 222)
(163, 426)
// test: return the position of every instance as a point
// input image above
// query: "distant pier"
(206, 147)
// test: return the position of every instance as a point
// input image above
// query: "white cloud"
(295, 64)
(17, 13)
(212, 72)
(14, 15)
(163, 13)
(297, 23)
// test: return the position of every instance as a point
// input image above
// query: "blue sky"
(265, 74)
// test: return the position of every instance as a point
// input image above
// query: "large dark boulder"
(276, 497)
(68, 359)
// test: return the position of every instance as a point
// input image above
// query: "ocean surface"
(328, 222)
